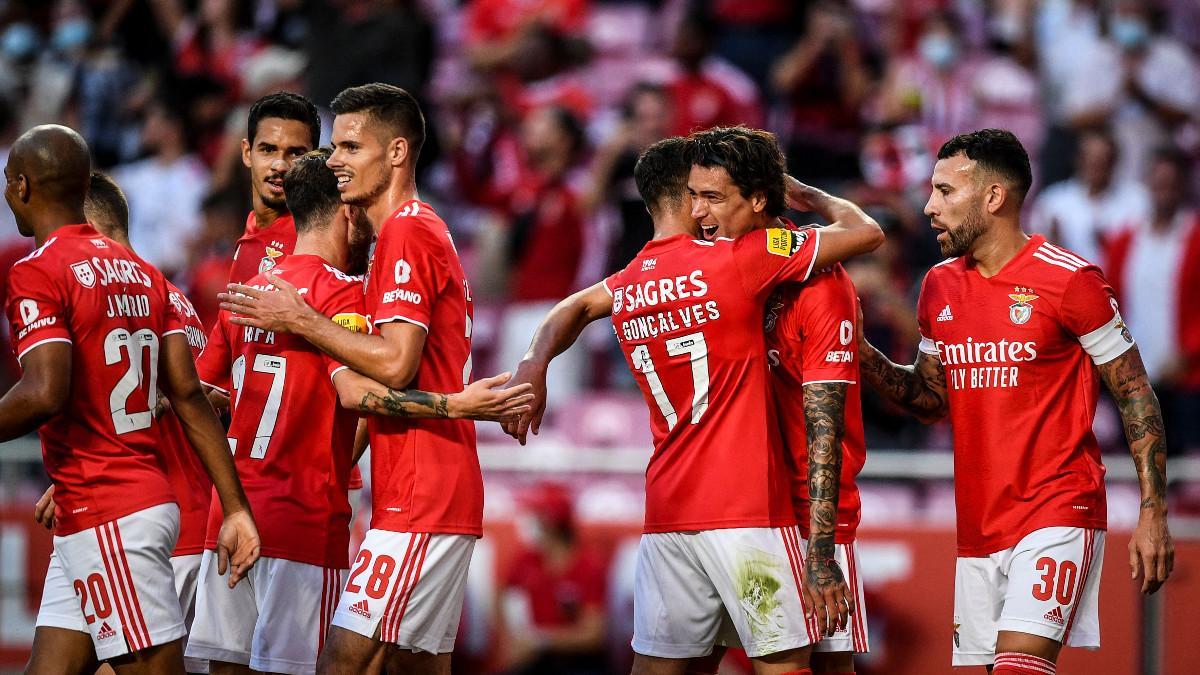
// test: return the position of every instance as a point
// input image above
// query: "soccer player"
(279, 129)
(688, 315)
(95, 336)
(292, 442)
(811, 348)
(1016, 334)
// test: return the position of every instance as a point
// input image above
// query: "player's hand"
(162, 406)
(485, 400)
(827, 594)
(43, 511)
(1151, 551)
(237, 546)
(796, 195)
(280, 310)
(534, 375)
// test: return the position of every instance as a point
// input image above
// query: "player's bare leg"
(653, 665)
(832, 662)
(707, 665)
(404, 662)
(348, 653)
(58, 651)
(790, 662)
(1013, 642)
(165, 659)
(226, 668)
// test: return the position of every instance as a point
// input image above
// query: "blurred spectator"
(212, 253)
(495, 28)
(1144, 83)
(1006, 86)
(1081, 212)
(215, 43)
(1065, 33)
(705, 89)
(1155, 268)
(825, 81)
(164, 191)
(646, 118)
(752, 33)
(545, 242)
(552, 615)
(936, 86)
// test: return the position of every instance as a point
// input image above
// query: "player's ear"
(23, 188)
(398, 151)
(995, 197)
(246, 152)
(758, 201)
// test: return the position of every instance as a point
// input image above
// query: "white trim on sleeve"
(336, 371)
(1108, 341)
(816, 231)
(606, 288)
(806, 382)
(215, 387)
(177, 330)
(928, 346)
(401, 317)
(39, 343)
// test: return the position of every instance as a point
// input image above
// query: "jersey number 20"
(120, 344)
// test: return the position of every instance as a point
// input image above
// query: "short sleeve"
(346, 306)
(36, 309)
(1089, 312)
(175, 320)
(408, 272)
(215, 362)
(925, 320)
(767, 258)
(828, 311)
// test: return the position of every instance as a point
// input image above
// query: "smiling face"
(718, 204)
(277, 143)
(955, 206)
(360, 159)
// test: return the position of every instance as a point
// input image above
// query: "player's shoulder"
(1056, 262)
(416, 225)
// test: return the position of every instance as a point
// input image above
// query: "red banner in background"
(909, 576)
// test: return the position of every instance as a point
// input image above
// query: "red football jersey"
(424, 472)
(258, 250)
(290, 437)
(112, 307)
(811, 338)
(193, 489)
(688, 315)
(1022, 388)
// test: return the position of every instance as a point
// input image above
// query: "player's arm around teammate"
(919, 389)
(1151, 551)
(238, 541)
(481, 400)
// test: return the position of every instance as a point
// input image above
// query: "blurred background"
(537, 110)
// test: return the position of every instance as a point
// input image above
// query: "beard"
(369, 197)
(959, 240)
(360, 243)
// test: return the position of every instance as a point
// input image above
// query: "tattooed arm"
(919, 389)
(1151, 551)
(479, 401)
(825, 420)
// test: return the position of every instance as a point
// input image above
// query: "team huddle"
(183, 545)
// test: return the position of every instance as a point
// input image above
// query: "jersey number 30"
(696, 349)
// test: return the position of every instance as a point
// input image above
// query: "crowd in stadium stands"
(538, 109)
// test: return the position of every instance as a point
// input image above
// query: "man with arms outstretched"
(403, 597)
(1016, 334)
(688, 315)
(95, 336)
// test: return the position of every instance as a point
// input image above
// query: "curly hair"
(751, 157)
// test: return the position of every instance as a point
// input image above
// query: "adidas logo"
(945, 314)
(361, 609)
(1055, 616)
(106, 632)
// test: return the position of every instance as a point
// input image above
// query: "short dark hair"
(1170, 154)
(995, 150)
(661, 173)
(310, 189)
(107, 201)
(751, 157)
(388, 104)
(284, 105)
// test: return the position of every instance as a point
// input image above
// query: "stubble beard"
(960, 239)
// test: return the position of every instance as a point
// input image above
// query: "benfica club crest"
(84, 274)
(1021, 311)
(270, 259)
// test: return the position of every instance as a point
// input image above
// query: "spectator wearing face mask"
(1145, 83)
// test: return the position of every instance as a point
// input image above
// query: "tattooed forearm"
(825, 420)
(405, 403)
(920, 388)
(1126, 379)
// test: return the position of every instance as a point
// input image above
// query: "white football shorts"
(406, 588)
(1047, 585)
(187, 576)
(115, 582)
(687, 583)
(275, 620)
